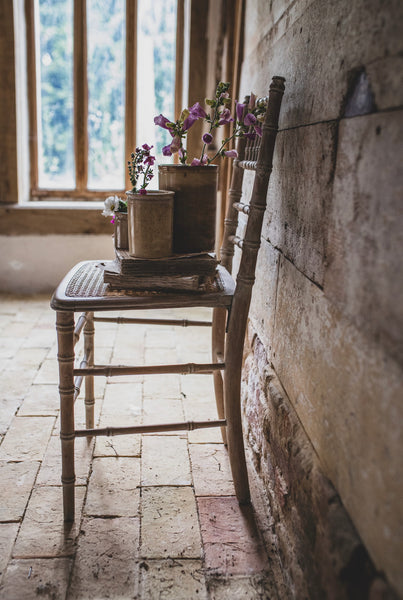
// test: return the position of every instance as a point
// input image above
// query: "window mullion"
(80, 95)
(32, 91)
(131, 81)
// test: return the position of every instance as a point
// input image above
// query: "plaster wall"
(36, 264)
(327, 308)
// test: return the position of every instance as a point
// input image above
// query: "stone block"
(172, 579)
(41, 400)
(36, 578)
(365, 233)
(231, 540)
(113, 490)
(8, 408)
(162, 410)
(27, 438)
(43, 533)
(165, 461)
(211, 470)
(51, 467)
(359, 35)
(105, 559)
(170, 527)
(263, 303)
(8, 533)
(345, 391)
(255, 587)
(17, 479)
(299, 196)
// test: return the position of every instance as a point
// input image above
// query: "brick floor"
(156, 515)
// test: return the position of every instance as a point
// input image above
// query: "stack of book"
(180, 272)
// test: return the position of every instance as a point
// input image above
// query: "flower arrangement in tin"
(246, 123)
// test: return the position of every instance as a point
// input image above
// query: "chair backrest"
(256, 155)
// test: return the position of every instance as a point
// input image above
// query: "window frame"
(80, 85)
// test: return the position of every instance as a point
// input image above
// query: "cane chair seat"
(83, 289)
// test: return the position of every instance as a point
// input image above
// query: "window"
(98, 72)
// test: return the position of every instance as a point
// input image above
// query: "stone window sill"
(53, 218)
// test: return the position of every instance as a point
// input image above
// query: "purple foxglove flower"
(142, 192)
(207, 138)
(189, 121)
(239, 110)
(166, 151)
(195, 163)
(204, 159)
(258, 130)
(231, 153)
(197, 111)
(175, 144)
(161, 121)
(225, 117)
(249, 119)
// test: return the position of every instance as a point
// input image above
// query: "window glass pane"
(156, 46)
(106, 90)
(54, 47)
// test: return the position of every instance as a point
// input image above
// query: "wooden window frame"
(80, 84)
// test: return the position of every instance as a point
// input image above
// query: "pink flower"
(175, 144)
(239, 110)
(249, 119)
(146, 147)
(196, 162)
(225, 117)
(142, 192)
(231, 153)
(161, 121)
(149, 160)
(197, 111)
(189, 121)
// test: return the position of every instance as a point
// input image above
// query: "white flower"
(111, 205)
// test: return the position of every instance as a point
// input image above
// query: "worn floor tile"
(257, 587)
(43, 532)
(8, 409)
(172, 579)
(114, 487)
(51, 467)
(31, 579)
(165, 461)
(169, 525)
(230, 536)
(48, 372)
(18, 477)
(41, 400)
(164, 387)
(162, 410)
(16, 383)
(160, 337)
(211, 470)
(8, 533)
(27, 438)
(105, 565)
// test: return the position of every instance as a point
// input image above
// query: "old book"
(204, 263)
(114, 277)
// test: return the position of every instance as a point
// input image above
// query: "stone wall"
(323, 368)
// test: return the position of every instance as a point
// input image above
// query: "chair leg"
(218, 341)
(89, 400)
(232, 401)
(65, 340)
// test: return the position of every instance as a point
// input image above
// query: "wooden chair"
(83, 289)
